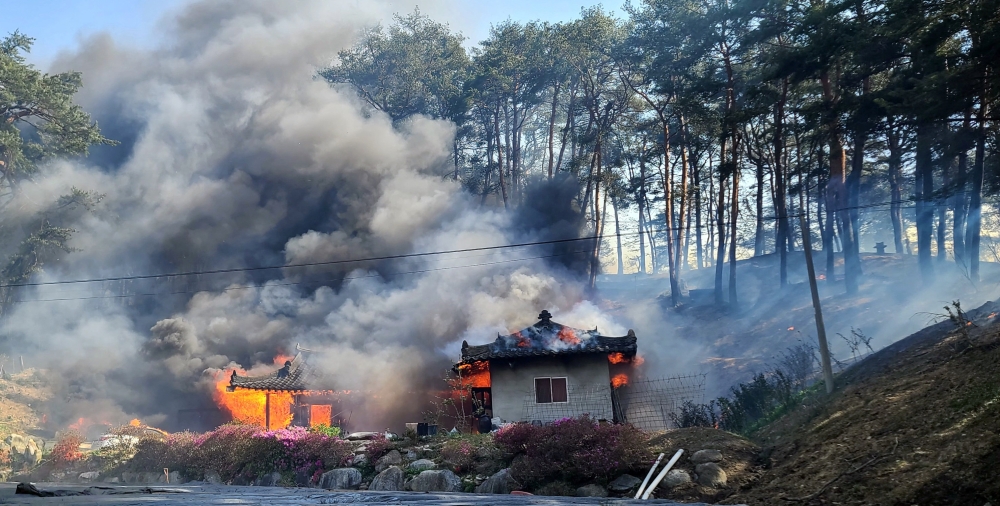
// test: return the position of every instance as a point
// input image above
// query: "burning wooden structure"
(548, 371)
(294, 395)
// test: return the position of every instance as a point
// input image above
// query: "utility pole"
(824, 350)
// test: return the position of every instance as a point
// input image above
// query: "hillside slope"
(916, 423)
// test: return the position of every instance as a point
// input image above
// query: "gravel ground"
(211, 494)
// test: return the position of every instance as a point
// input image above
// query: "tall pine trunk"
(925, 205)
(973, 228)
(895, 187)
(720, 225)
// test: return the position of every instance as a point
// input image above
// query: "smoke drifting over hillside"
(233, 155)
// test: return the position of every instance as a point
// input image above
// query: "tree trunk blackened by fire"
(720, 223)
(567, 130)
(595, 259)
(973, 229)
(618, 237)
(925, 203)
(500, 166)
(854, 202)
(895, 186)
(939, 205)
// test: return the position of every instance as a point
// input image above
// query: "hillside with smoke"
(233, 155)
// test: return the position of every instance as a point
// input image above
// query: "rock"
(359, 460)
(389, 480)
(703, 456)
(113, 479)
(675, 478)
(57, 476)
(624, 483)
(89, 475)
(176, 478)
(362, 436)
(393, 458)
(269, 480)
(361, 449)
(441, 480)
(22, 449)
(500, 483)
(345, 478)
(411, 455)
(130, 477)
(212, 477)
(592, 490)
(711, 475)
(422, 464)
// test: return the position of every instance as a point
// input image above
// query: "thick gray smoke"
(233, 155)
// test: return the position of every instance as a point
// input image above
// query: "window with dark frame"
(550, 390)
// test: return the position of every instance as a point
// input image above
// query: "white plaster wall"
(588, 383)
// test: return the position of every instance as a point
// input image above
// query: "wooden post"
(824, 350)
(267, 410)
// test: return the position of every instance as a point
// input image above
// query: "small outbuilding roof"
(296, 377)
(548, 338)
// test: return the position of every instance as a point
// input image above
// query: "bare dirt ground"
(21, 396)
(209, 494)
(917, 423)
(740, 461)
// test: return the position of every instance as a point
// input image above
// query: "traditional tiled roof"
(547, 338)
(299, 377)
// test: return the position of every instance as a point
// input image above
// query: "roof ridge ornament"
(545, 316)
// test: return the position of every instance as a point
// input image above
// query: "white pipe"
(659, 477)
(649, 475)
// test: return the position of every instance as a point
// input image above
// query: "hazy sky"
(58, 25)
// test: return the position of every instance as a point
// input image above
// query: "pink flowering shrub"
(243, 452)
(577, 450)
(377, 447)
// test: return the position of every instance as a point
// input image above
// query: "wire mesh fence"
(646, 403)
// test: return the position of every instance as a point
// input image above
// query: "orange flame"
(320, 414)
(475, 375)
(619, 380)
(991, 315)
(247, 406)
(620, 358)
(280, 360)
(821, 277)
(135, 422)
(791, 329)
(522, 342)
(568, 336)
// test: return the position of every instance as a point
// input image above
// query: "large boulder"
(23, 450)
(345, 478)
(710, 475)
(212, 477)
(268, 480)
(359, 460)
(500, 483)
(90, 475)
(705, 456)
(389, 480)
(441, 480)
(675, 478)
(624, 483)
(362, 436)
(592, 490)
(393, 458)
(422, 464)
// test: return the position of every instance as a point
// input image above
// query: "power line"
(290, 283)
(416, 255)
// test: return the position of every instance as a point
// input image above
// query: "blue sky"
(58, 25)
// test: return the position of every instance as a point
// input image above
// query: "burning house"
(294, 395)
(548, 371)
